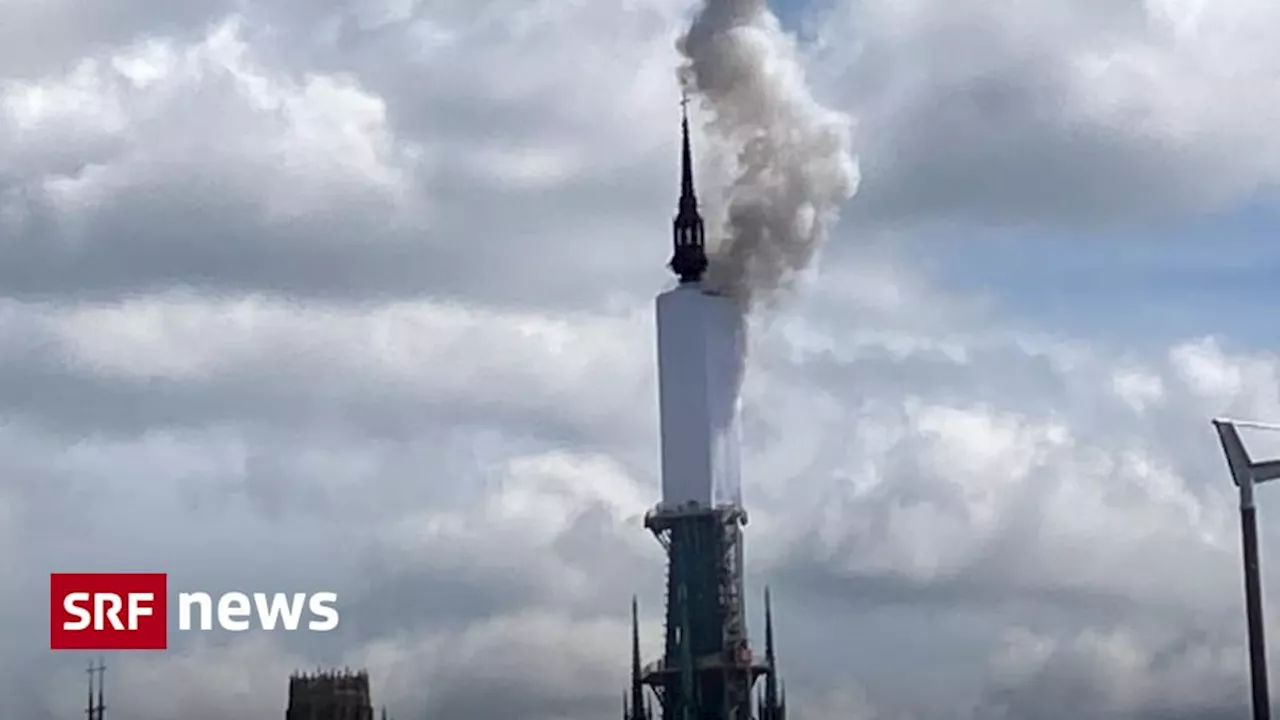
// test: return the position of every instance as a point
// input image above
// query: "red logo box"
(108, 611)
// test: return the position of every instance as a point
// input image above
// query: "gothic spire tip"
(689, 260)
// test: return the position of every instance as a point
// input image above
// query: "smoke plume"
(794, 165)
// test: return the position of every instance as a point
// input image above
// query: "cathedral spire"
(768, 628)
(688, 197)
(89, 708)
(637, 708)
(773, 706)
(637, 684)
(689, 258)
(102, 680)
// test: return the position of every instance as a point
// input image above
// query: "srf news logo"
(130, 611)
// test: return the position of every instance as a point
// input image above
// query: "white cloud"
(1059, 113)
(359, 294)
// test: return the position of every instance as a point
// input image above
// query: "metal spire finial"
(688, 197)
(689, 257)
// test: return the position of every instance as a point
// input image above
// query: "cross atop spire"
(689, 260)
(688, 197)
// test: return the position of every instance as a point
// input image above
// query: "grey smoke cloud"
(794, 166)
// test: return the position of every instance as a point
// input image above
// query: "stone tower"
(330, 695)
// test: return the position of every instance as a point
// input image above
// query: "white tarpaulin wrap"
(700, 340)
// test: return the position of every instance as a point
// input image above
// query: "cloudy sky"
(356, 295)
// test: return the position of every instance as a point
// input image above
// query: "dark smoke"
(794, 162)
